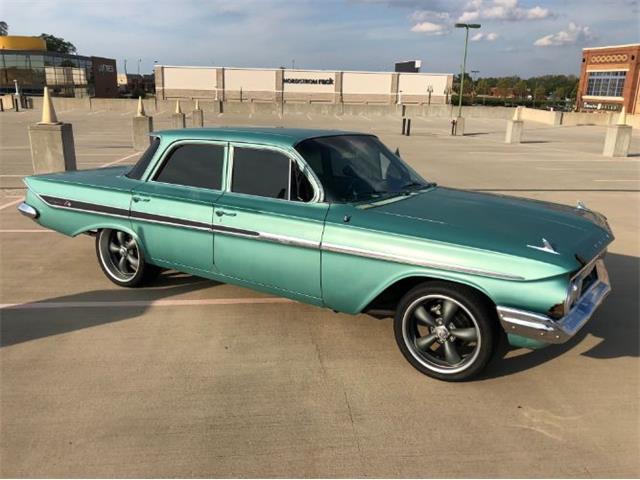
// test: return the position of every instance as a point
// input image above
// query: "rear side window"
(260, 172)
(196, 165)
(139, 168)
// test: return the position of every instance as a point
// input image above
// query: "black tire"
(122, 260)
(445, 330)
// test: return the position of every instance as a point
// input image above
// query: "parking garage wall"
(301, 86)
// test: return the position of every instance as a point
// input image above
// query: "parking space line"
(144, 303)
(10, 204)
(121, 159)
(625, 180)
(27, 230)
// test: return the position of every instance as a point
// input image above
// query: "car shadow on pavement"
(29, 322)
(616, 323)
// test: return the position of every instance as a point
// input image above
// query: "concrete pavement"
(193, 378)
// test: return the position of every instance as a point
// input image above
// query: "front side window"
(260, 172)
(357, 168)
(194, 165)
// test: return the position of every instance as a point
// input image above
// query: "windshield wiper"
(416, 185)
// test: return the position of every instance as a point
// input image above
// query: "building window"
(605, 84)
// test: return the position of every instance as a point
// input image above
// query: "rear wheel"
(445, 331)
(122, 259)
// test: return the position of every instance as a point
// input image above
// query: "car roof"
(277, 136)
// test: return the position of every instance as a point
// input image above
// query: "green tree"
(503, 87)
(482, 87)
(521, 89)
(560, 93)
(574, 91)
(4, 28)
(57, 44)
(540, 93)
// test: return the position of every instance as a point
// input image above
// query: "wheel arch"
(384, 300)
(96, 227)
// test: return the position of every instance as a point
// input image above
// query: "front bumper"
(28, 211)
(543, 328)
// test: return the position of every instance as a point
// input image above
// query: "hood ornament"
(546, 247)
(581, 205)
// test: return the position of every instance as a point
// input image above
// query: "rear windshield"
(139, 168)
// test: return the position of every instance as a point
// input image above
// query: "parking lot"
(193, 378)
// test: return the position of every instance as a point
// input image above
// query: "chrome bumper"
(28, 211)
(546, 329)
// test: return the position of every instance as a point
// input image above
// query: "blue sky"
(518, 37)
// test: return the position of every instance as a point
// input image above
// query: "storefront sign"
(309, 81)
(610, 107)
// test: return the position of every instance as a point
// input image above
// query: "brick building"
(610, 78)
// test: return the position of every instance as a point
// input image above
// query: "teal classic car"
(335, 219)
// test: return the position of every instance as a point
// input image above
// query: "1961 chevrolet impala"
(337, 220)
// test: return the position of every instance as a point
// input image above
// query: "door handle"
(224, 212)
(137, 198)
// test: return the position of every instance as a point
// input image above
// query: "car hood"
(499, 223)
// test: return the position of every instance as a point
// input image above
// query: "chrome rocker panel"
(546, 329)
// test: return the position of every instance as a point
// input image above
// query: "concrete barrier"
(7, 101)
(155, 106)
(542, 116)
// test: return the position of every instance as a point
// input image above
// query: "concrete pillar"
(618, 138)
(514, 127)
(617, 141)
(52, 146)
(158, 72)
(197, 116)
(514, 131)
(178, 118)
(337, 91)
(279, 86)
(142, 126)
(220, 84)
(395, 96)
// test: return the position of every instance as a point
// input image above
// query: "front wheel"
(445, 331)
(122, 259)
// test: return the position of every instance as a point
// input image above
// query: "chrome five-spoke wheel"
(120, 252)
(121, 258)
(444, 331)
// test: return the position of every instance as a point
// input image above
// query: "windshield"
(356, 168)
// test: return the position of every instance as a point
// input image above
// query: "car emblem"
(546, 247)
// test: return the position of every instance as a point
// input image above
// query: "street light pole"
(466, 26)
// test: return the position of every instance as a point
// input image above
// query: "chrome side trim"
(541, 327)
(330, 247)
(28, 211)
(286, 240)
(180, 223)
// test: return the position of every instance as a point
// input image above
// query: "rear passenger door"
(172, 212)
(268, 223)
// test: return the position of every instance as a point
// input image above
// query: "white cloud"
(423, 15)
(429, 28)
(502, 10)
(489, 37)
(573, 35)
(469, 16)
(431, 22)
